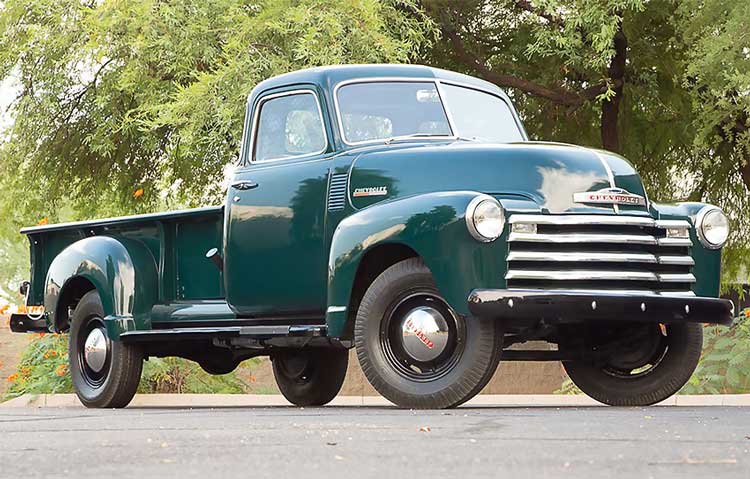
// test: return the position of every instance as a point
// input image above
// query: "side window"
(289, 126)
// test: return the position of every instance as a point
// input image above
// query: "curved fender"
(433, 225)
(123, 272)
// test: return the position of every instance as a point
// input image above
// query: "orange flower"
(138, 193)
(53, 353)
(4, 308)
(46, 355)
(25, 371)
(43, 221)
(61, 370)
(41, 335)
(12, 378)
(747, 313)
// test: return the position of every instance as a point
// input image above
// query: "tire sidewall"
(684, 345)
(88, 309)
(455, 385)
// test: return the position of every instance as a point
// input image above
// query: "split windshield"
(384, 110)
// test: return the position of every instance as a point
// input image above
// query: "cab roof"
(329, 76)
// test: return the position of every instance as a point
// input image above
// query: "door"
(275, 258)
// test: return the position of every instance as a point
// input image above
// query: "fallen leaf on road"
(331, 443)
(425, 429)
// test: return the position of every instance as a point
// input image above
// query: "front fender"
(123, 272)
(434, 226)
(707, 269)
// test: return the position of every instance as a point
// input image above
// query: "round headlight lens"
(485, 218)
(713, 227)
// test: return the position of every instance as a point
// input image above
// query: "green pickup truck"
(400, 210)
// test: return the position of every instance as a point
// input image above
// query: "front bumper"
(571, 306)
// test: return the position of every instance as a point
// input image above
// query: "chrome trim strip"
(605, 292)
(677, 260)
(584, 257)
(336, 309)
(582, 220)
(582, 275)
(676, 278)
(596, 220)
(256, 116)
(583, 238)
(675, 242)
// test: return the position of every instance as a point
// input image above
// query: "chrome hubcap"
(424, 333)
(95, 350)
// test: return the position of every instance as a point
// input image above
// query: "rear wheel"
(644, 364)
(105, 373)
(310, 377)
(414, 349)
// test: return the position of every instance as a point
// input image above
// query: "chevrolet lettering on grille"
(610, 196)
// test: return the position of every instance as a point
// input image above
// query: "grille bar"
(585, 257)
(584, 238)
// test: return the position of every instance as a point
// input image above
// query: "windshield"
(385, 110)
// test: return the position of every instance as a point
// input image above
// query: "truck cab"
(402, 211)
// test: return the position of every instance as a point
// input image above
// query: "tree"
(148, 97)
(665, 83)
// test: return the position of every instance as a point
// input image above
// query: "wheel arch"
(430, 226)
(121, 270)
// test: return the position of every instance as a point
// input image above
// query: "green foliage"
(176, 375)
(43, 369)
(725, 364)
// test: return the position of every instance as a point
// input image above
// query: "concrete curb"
(260, 400)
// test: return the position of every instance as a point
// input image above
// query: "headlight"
(485, 218)
(712, 226)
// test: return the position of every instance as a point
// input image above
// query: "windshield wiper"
(426, 135)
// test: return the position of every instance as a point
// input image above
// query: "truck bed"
(178, 241)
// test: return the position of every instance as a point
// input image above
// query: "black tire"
(669, 368)
(115, 383)
(466, 361)
(311, 377)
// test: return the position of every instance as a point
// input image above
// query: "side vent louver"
(337, 192)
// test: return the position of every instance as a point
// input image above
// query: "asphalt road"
(383, 443)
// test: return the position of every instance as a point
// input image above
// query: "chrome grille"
(596, 252)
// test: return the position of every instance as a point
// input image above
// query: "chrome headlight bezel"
(471, 223)
(700, 222)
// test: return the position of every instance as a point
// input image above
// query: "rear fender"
(122, 270)
(433, 225)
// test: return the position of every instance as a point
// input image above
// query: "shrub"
(43, 369)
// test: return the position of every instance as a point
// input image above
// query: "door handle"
(244, 185)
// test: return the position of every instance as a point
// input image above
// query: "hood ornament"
(610, 196)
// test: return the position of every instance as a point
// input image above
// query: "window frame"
(438, 82)
(256, 118)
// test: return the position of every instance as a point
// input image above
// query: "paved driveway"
(372, 442)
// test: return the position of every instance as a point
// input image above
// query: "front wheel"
(646, 363)
(310, 377)
(105, 373)
(414, 349)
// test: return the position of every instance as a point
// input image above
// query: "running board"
(249, 332)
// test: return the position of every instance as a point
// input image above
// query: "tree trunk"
(611, 108)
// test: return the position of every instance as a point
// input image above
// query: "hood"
(541, 176)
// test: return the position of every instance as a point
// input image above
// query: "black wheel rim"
(297, 368)
(94, 378)
(651, 356)
(392, 346)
